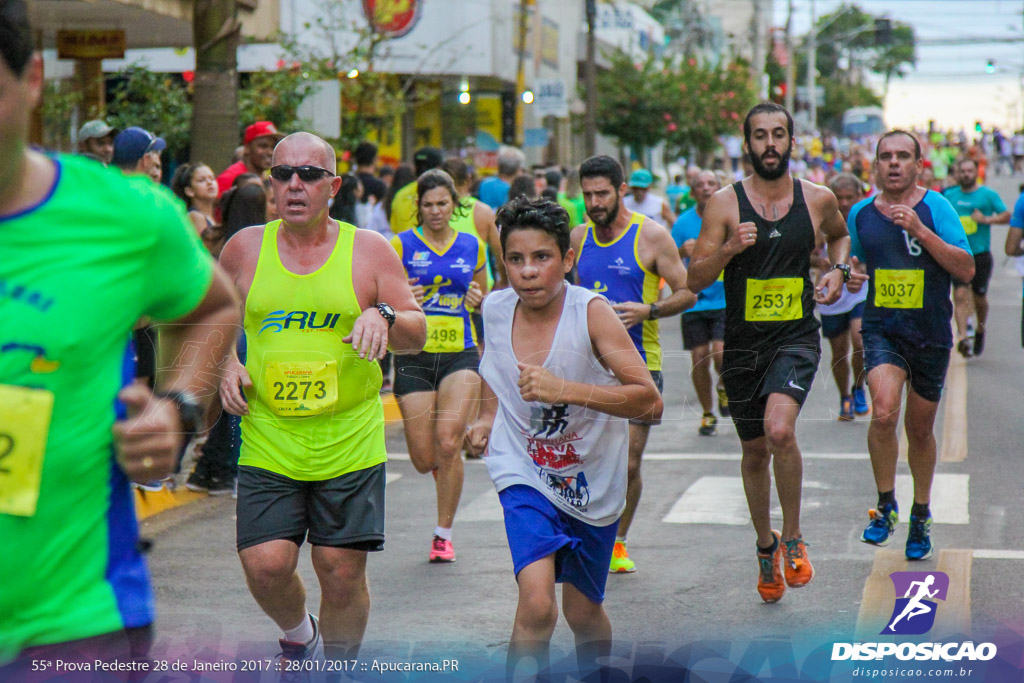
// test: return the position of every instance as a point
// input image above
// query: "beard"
(609, 217)
(768, 173)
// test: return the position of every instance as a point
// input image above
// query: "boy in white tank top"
(561, 379)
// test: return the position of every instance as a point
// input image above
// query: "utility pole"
(791, 62)
(812, 67)
(590, 83)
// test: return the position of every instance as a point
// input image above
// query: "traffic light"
(883, 32)
(977, 126)
(990, 66)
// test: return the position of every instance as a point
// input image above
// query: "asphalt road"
(694, 592)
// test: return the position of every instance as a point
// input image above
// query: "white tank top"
(650, 206)
(575, 456)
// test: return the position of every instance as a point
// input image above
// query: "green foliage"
(850, 32)
(371, 100)
(682, 102)
(274, 96)
(839, 97)
(59, 101)
(157, 102)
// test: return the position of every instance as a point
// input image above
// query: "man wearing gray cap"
(136, 150)
(96, 138)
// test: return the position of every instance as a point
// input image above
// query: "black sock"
(886, 498)
(920, 510)
(771, 549)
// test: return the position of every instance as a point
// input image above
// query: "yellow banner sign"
(90, 44)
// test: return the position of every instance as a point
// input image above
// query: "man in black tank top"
(761, 232)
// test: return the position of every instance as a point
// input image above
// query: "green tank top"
(465, 223)
(314, 409)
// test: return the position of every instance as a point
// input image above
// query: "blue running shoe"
(846, 409)
(880, 529)
(860, 401)
(919, 540)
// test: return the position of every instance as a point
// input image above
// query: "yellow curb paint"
(877, 600)
(149, 503)
(954, 615)
(954, 416)
(391, 412)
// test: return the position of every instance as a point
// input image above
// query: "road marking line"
(737, 456)
(878, 598)
(954, 415)
(390, 477)
(981, 554)
(711, 500)
(954, 615)
(484, 508)
(950, 497)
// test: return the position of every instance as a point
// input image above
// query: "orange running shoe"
(797, 566)
(621, 564)
(770, 584)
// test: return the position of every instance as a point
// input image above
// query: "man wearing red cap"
(259, 142)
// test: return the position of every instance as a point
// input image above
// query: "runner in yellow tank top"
(323, 301)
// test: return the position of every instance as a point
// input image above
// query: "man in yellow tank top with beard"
(323, 302)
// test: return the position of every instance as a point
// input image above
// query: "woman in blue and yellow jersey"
(447, 272)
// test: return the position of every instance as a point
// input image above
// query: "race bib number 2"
(776, 299)
(301, 389)
(23, 434)
(899, 288)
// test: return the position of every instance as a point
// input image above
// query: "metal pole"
(812, 67)
(791, 64)
(590, 79)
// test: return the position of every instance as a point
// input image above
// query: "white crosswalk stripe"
(484, 508)
(950, 497)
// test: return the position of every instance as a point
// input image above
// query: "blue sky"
(949, 83)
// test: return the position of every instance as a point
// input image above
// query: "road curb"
(151, 503)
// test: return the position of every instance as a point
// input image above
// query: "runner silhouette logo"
(914, 612)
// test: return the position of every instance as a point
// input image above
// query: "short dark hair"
(899, 131)
(15, 35)
(603, 166)
(457, 169)
(534, 214)
(969, 160)
(553, 178)
(431, 180)
(766, 108)
(364, 153)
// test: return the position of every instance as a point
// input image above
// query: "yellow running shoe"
(621, 564)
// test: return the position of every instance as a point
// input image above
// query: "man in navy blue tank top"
(913, 244)
(624, 255)
(761, 232)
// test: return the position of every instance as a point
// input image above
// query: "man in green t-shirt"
(978, 207)
(86, 253)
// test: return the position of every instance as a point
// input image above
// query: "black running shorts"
(424, 371)
(343, 512)
(750, 376)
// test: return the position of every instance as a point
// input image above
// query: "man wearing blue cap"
(642, 201)
(137, 151)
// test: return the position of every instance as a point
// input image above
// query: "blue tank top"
(614, 270)
(446, 276)
(908, 291)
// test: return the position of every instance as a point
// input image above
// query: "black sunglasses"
(307, 174)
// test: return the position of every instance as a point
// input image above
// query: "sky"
(949, 83)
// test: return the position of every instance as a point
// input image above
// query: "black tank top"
(763, 315)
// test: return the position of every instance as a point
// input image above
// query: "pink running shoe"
(441, 550)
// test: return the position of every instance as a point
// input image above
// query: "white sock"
(620, 539)
(441, 532)
(303, 633)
